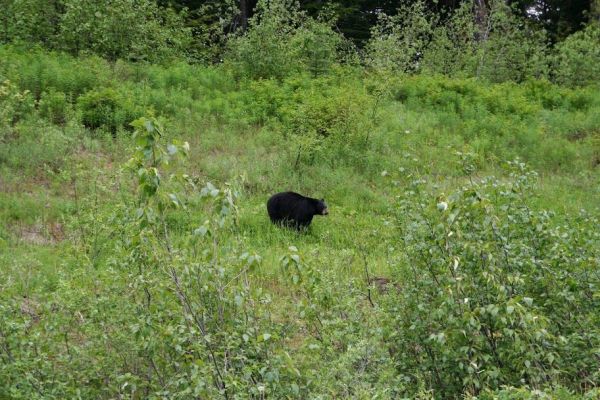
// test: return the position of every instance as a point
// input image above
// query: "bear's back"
(284, 201)
(290, 206)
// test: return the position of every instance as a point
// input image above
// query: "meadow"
(460, 258)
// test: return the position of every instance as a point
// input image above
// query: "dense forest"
(455, 143)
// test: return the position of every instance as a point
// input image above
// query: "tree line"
(498, 40)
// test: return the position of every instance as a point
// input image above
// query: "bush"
(36, 144)
(106, 108)
(577, 59)
(513, 49)
(415, 40)
(325, 116)
(328, 112)
(14, 104)
(30, 21)
(398, 42)
(210, 24)
(53, 105)
(452, 50)
(465, 97)
(134, 30)
(39, 71)
(488, 286)
(282, 40)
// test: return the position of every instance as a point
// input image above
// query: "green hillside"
(460, 257)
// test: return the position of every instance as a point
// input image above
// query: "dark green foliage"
(505, 49)
(54, 106)
(211, 22)
(559, 17)
(106, 108)
(493, 41)
(356, 17)
(398, 42)
(577, 60)
(282, 40)
(134, 30)
(514, 50)
(30, 21)
(15, 104)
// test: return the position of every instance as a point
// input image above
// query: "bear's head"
(322, 207)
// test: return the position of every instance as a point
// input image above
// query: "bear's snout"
(325, 211)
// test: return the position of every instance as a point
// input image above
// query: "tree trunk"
(595, 12)
(481, 19)
(244, 14)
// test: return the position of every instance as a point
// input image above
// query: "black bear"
(294, 210)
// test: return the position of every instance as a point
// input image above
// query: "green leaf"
(174, 199)
(149, 125)
(201, 231)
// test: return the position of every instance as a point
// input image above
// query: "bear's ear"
(323, 200)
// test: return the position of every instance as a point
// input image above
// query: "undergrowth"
(460, 258)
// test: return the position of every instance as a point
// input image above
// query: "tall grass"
(442, 271)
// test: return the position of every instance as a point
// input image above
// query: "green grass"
(84, 280)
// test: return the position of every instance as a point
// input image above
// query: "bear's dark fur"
(294, 210)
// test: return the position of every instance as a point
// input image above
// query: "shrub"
(134, 30)
(335, 112)
(415, 40)
(53, 105)
(211, 24)
(31, 21)
(464, 96)
(282, 40)
(577, 59)
(14, 104)
(39, 71)
(265, 99)
(397, 42)
(35, 144)
(328, 115)
(106, 108)
(453, 48)
(315, 45)
(513, 49)
(488, 286)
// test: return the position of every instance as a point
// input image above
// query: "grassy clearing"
(75, 273)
